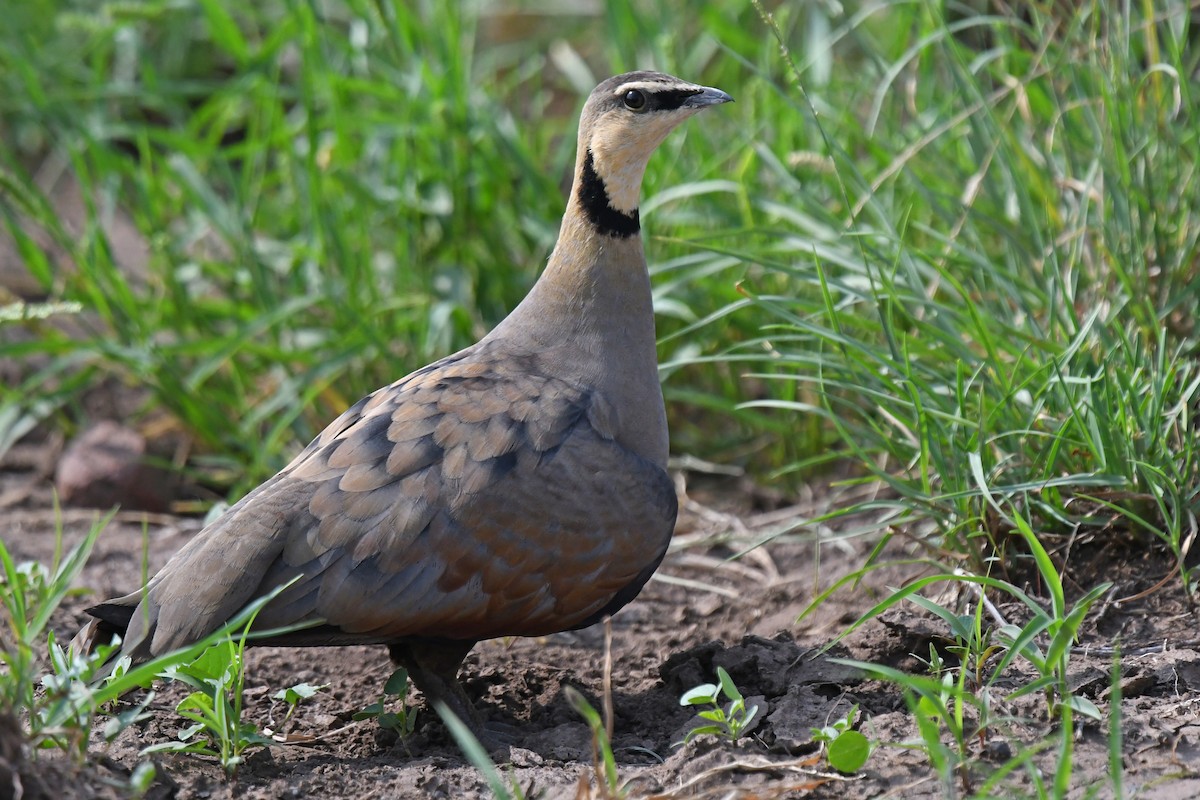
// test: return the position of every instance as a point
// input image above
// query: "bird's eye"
(635, 100)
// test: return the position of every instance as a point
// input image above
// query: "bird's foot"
(462, 719)
(432, 667)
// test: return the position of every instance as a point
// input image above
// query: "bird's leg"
(433, 666)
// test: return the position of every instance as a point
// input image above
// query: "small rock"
(998, 751)
(707, 605)
(1138, 685)
(525, 758)
(795, 715)
(105, 466)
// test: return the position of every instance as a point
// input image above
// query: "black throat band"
(593, 196)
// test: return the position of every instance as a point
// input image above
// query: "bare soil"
(704, 610)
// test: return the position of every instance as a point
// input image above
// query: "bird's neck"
(595, 290)
(594, 294)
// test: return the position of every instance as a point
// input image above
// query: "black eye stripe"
(670, 99)
(661, 99)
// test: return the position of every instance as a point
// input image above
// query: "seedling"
(846, 749)
(294, 696)
(215, 708)
(141, 779)
(61, 715)
(67, 705)
(729, 722)
(404, 719)
(219, 678)
(29, 594)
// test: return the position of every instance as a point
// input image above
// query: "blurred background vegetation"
(948, 247)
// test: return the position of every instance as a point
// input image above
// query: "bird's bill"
(708, 96)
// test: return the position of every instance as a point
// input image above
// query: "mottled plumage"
(518, 487)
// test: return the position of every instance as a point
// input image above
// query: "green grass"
(1003, 321)
(953, 252)
(1001, 330)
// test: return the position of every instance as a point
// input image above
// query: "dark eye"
(635, 100)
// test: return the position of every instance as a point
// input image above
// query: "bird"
(518, 487)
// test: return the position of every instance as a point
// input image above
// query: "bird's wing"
(476, 498)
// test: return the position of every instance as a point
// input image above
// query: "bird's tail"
(108, 620)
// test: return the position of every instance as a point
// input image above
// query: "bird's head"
(625, 118)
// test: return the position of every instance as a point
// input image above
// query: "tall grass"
(986, 286)
(985, 278)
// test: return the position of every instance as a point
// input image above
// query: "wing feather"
(475, 498)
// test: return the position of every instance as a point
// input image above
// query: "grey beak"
(707, 97)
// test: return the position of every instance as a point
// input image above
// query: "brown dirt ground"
(740, 614)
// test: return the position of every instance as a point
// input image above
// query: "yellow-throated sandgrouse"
(515, 488)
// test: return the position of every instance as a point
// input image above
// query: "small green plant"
(30, 593)
(1060, 624)
(403, 720)
(215, 669)
(141, 779)
(984, 655)
(957, 698)
(846, 749)
(215, 708)
(1116, 739)
(131, 713)
(293, 696)
(66, 707)
(936, 705)
(729, 722)
(77, 686)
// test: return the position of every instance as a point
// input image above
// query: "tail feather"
(112, 619)
(108, 620)
(113, 615)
